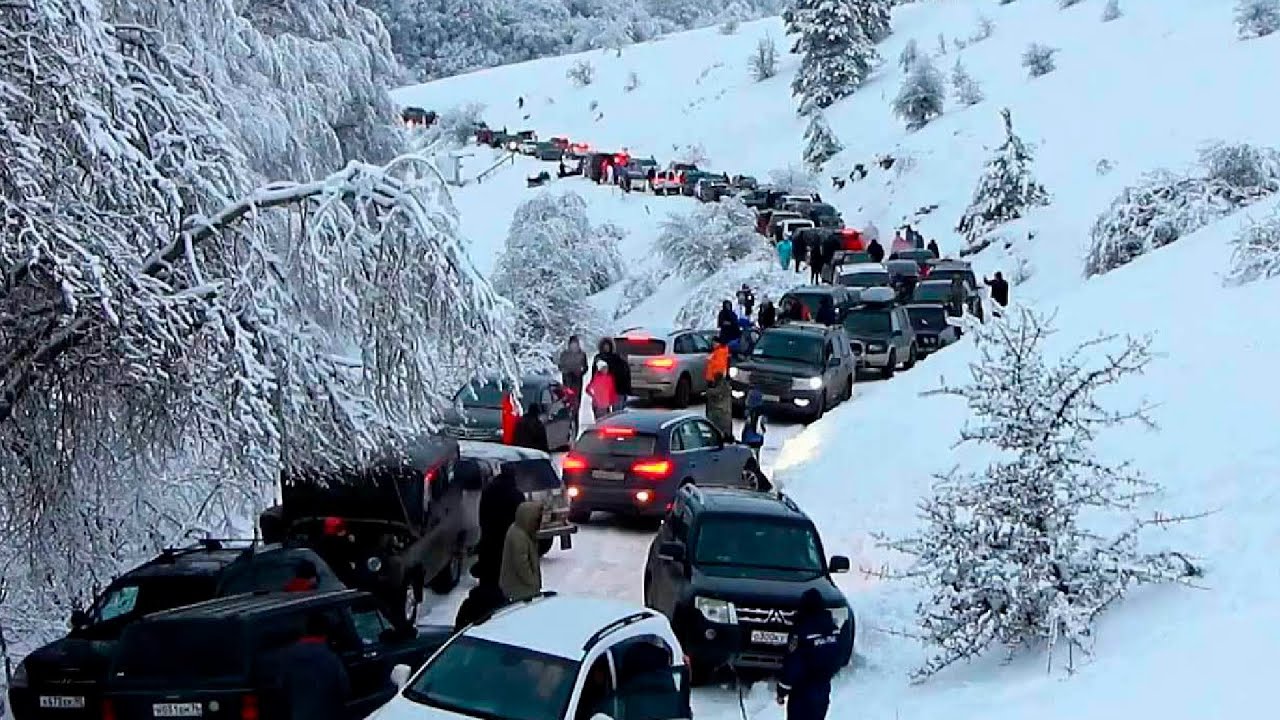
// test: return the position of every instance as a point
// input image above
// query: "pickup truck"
(637, 173)
(666, 182)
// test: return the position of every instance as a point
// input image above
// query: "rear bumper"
(653, 388)
(622, 498)
(873, 360)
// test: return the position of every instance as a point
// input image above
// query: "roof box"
(879, 295)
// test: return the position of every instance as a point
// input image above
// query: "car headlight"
(809, 383)
(840, 615)
(739, 374)
(717, 611)
(20, 679)
(374, 564)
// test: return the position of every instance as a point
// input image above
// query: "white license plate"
(765, 637)
(62, 702)
(607, 475)
(771, 398)
(172, 710)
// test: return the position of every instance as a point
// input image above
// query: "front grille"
(770, 383)
(766, 616)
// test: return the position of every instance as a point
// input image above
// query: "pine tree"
(967, 90)
(764, 61)
(874, 16)
(1006, 190)
(910, 53)
(921, 97)
(836, 53)
(820, 143)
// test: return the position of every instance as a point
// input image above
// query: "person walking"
(799, 249)
(812, 661)
(815, 265)
(768, 316)
(603, 391)
(727, 323)
(521, 575)
(618, 368)
(573, 368)
(876, 251)
(830, 246)
(520, 102)
(784, 253)
(719, 395)
(933, 248)
(309, 676)
(498, 503)
(999, 289)
(747, 300)
(530, 432)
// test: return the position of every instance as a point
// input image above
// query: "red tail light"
(574, 462)
(613, 431)
(660, 363)
(335, 526)
(249, 707)
(108, 710)
(652, 469)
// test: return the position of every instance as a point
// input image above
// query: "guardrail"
(507, 159)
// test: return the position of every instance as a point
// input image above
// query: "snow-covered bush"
(1256, 251)
(1038, 59)
(729, 27)
(455, 128)
(921, 96)
(1004, 552)
(967, 90)
(1005, 191)
(633, 82)
(794, 178)
(1111, 11)
(820, 143)
(640, 286)
(764, 61)
(582, 73)
(909, 55)
(984, 29)
(698, 243)
(1257, 18)
(766, 278)
(1246, 167)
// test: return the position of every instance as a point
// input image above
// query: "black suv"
(799, 368)
(728, 568)
(63, 680)
(213, 660)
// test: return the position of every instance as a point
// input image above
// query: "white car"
(553, 657)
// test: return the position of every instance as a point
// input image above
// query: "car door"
(719, 467)
(436, 547)
(558, 418)
(898, 335)
(667, 577)
(643, 691)
(908, 330)
(687, 452)
(368, 655)
(699, 354)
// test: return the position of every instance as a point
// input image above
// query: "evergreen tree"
(873, 16)
(820, 143)
(836, 53)
(910, 53)
(1006, 190)
(923, 90)
(967, 90)
(764, 61)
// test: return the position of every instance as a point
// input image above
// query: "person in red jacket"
(603, 391)
(509, 419)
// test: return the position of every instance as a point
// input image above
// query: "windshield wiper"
(424, 699)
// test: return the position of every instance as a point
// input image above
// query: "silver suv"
(665, 364)
(881, 333)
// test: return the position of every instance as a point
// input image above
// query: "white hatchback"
(550, 658)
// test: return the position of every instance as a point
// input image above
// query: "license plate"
(607, 475)
(765, 637)
(62, 702)
(770, 398)
(171, 710)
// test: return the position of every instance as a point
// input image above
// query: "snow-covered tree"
(1006, 190)
(794, 178)
(694, 154)
(640, 286)
(967, 90)
(698, 243)
(1038, 59)
(1111, 11)
(909, 55)
(820, 143)
(921, 97)
(984, 28)
(836, 52)
(1257, 18)
(633, 82)
(1005, 553)
(764, 61)
(874, 17)
(1256, 251)
(582, 73)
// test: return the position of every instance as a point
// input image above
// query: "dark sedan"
(934, 330)
(477, 411)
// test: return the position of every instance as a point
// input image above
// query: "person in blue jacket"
(784, 253)
(812, 660)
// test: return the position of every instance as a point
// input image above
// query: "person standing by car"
(498, 505)
(826, 311)
(933, 248)
(719, 396)
(521, 574)
(305, 578)
(727, 323)
(799, 248)
(747, 299)
(830, 246)
(813, 659)
(603, 391)
(875, 250)
(573, 368)
(310, 676)
(530, 432)
(999, 289)
(509, 419)
(618, 367)
(768, 316)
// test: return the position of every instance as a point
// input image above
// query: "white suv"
(551, 658)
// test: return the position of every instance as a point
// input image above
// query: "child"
(603, 391)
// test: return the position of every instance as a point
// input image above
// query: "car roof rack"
(209, 544)
(615, 626)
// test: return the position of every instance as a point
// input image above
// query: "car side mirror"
(838, 564)
(79, 618)
(834, 362)
(400, 676)
(671, 552)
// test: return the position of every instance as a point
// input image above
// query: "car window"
(897, 322)
(869, 322)
(684, 345)
(462, 677)
(794, 347)
(120, 601)
(701, 343)
(614, 441)
(369, 623)
(152, 594)
(687, 435)
(708, 435)
(597, 689)
(764, 544)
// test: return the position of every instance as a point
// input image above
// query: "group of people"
(508, 566)
(610, 385)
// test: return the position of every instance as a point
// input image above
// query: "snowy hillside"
(1129, 96)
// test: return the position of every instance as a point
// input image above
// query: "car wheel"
(410, 602)
(891, 367)
(911, 358)
(579, 517)
(544, 546)
(820, 411)
(753, 478)
(684, 392)
(447, 579)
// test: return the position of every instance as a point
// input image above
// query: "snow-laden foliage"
(640, 286)
(967, 90)
(875, 17)
(700, 242)
(909, 55)
(837, 53)
(582, 73)
(820, 143)
(794, 178)
(764, 61)
(984, 28)
(920, 99)
(1005, 191)
(454, 128)
(1038, 59)
(1257, 18)
(1067, 3)
(552, 261)
(1111, 11)
(1256, 251)
(1165, 206)
(1005, 553)
(765, 277)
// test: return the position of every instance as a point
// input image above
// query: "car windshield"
(488, 394)
(866, 279)
(463, 679)
(533, 475)
(932, 292)
(949, 273)
(868, 322)
(765, 544)
(181, 650)
(633, 346)
(135, 598)
(792, 347)
(614, 440)
(928, 318)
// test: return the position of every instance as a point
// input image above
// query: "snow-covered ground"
(1141, 92)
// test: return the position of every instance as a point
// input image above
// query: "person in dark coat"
(498, 505)
(311, 679)
(727, 323)
(830, 246)
(793, 310)
(618, 367)
(747, 299)
(813, 659)
(530, 432)
(933, 248)
(875, 250)
(826, 312)
(799, 248)
(999, 289)
(482, 600)
(768, 316)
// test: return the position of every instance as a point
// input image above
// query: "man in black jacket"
(999, 289)
(498, 505)
(812, 660)
(618, 367)
(727, 323)
(875, 250)
(933, 248)
(530, 432)
(830, 246)
(826, 311)
(311, 679)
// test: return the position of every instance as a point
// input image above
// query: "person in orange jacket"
(509, 419)
(719, 397)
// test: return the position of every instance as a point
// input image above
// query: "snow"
(1141, 92)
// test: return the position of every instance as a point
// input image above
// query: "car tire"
(544, 546)
(822, 410)
(684, 393)
(410, 601)
(892, 367)
(447, 579)
(848, 390)
(911, 358)
(579, 517)
(753, 477)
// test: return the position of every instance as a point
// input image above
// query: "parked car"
(860, 276)
(392, 526)
(538, 660)
(477, 409)
(213, 659)
(637, 174)
(418, 116)
(773, 219)
(666, 364)
(786, 227)
(728, 568)
(941, 292)
(934, 329)
(963, 272)
(923, 257)
(905, 275)
(811, 297)
(666, 182)
(549, 152)
(528, 147)
(711, 189)
(743, 183)
(757, 198)
(689, 180)
(881, 333)
(781, 199)
(64, 679)
(634, 462)
(535, 475)
(561, 142)
(748, 340)
(799, 368)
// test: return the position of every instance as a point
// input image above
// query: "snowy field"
(1142, 92)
